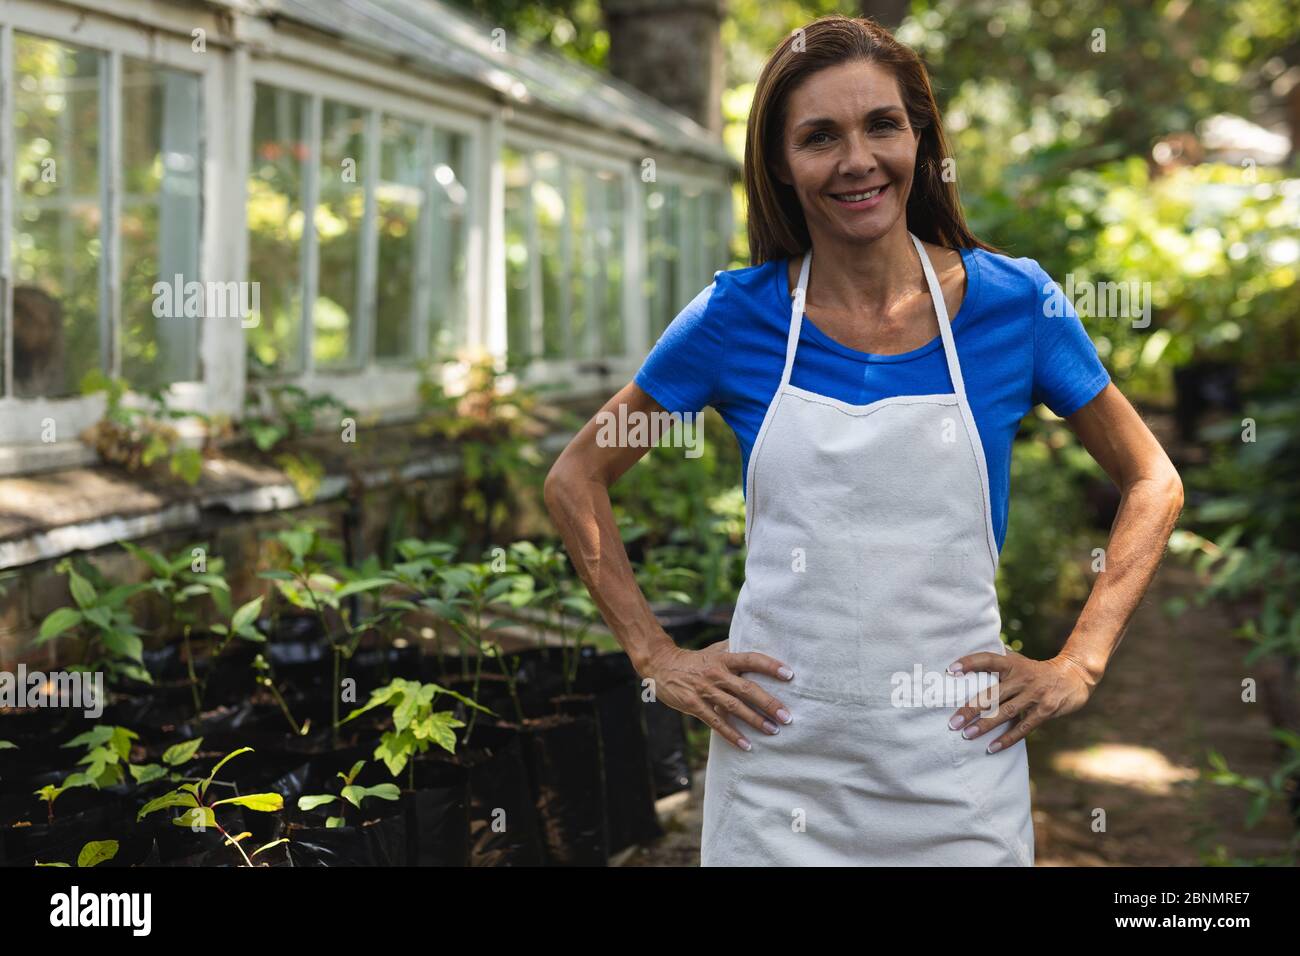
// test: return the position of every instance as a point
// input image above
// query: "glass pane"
(582, 329)
(161, 215)
(401, 202)
(57, 250)
(339, 215)
(662, 211)
(518, 213)
(609, 242)
(281, 151)
(549, 210)
(692, 247)
(450, 211)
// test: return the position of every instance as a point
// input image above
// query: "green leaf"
(148, 773)
(124, 645)
(247, 614)
(187, 463)
(83, 592)
(176, 798)
(39, 863)
(394, 750)
(202, 816)
(334, 823)
(358, 587)
(272, 844)
(156, 562)
(58, 622)
(182, 753)
(97, 852)
(261, 802)
(8, 745)
(315, 800)
(384, 791)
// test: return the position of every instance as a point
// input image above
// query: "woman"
(877, 438)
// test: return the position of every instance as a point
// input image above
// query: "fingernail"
(770, 727)
(954, 668)
(784, 716)
(785, 672)
(746, 744)
(968, 733)
(957, 721)
(994, 747)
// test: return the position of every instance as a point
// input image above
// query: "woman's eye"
(886, 125)
(813, 138)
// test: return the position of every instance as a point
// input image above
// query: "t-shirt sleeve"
(1068, 372)
(684, 367)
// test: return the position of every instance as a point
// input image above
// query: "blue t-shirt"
(727, 349)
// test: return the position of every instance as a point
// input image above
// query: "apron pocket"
(724, 771)
(985, 786)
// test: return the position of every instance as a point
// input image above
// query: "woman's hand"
(706, 684)
(1028, 691)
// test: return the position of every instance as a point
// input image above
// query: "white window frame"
(395, 381)
(22, 420)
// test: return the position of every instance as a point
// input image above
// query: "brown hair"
(777, 228)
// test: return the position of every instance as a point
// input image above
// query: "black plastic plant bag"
(562, 753)
(503, 829)
(437, 814)
(382, 842)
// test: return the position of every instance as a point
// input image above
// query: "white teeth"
(858, 197)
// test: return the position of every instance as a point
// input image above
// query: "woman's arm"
(695, 682)
(1150, 502)
(1151, 499)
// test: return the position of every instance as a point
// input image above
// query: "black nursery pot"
(438, 814)
(503, 828)
(379, 842)
(562, 753)
(609, 692)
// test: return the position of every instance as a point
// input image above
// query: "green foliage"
(137, 438)
(111, 640)
(493, 425)
(350, 793)
(200, 813)
(416, 725)
(290, 412)
(1040, 571)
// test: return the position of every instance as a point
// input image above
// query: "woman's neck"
(876, 279)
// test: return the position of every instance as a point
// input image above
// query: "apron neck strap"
(936, 296)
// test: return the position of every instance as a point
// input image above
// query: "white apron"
(871, 554)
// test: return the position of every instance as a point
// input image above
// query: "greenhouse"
(629, 434)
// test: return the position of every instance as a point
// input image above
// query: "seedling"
(560, 598)
(181, 580)
(467, 591)
(351, 793)
(200, 814)
(305, 584)
(92, 854)
(264, 674)
(416, 724)
(110, 640)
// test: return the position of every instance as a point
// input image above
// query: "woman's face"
(846, 134)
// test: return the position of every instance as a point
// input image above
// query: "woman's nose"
(858, 158)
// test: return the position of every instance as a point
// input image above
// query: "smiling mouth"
(860, 196)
